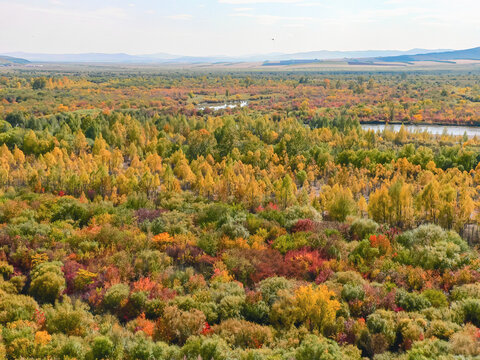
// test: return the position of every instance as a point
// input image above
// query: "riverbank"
(411, 123)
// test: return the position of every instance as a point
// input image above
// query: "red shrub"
(305, 225)
(303, 264)
(268, 264)
(144, 284)
(207, 330)
(381, 242)
(70, 269)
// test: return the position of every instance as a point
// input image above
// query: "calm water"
(224, 106)
(432, 129)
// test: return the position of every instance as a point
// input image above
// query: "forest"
(140, 219)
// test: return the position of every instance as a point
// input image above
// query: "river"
(471, 131)
(224, 106)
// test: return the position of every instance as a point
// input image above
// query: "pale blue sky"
(235, 27)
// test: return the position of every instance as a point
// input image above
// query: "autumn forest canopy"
(141, 218)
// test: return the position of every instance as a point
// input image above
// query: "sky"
(235, 27)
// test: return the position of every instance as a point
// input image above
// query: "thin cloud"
(180, 17)
(298, 26)
(447, 18)
(371, 16)
(97, 14)
(313, 4)
(237, 2)
(271, 19)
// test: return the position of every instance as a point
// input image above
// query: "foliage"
(138, 223)
(363, 227)
(313, 307)
(48, 281)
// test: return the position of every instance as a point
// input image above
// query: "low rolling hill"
(468, 54)
(9, 60)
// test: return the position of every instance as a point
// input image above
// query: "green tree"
(48, 281)
(342, 204)
(39, 83)
(286, 190)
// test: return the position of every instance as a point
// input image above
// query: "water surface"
(471, 131)
(224, 106)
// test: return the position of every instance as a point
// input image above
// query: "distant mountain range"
(333, 55)
(469, 54)
(353, 57)
(9, 60)
(77, 58)
(169, 58)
